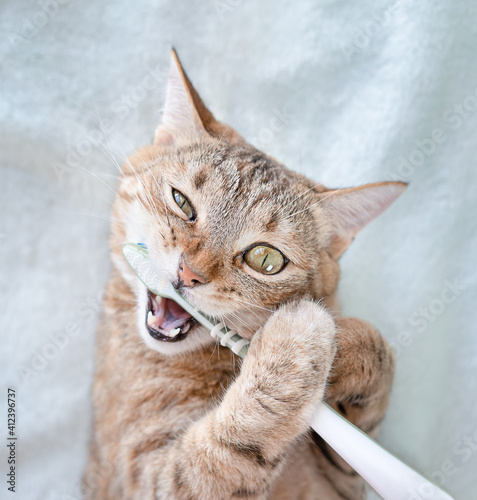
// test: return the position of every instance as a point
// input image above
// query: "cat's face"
(244, 227)
(236, 232)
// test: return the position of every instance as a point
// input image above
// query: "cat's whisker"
(121, 172)
(101, 180)
(247, 308)
(216, 344)
(157, 185)
(109, 219)
(231, 322)
(254, 305)
(138, 178)
(152, 205)
(217, 341)
(102, 127)
(106, 149)
(110, 155)
(238, 318)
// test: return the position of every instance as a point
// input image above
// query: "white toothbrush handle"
(388, 476)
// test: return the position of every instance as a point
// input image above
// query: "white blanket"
(345, 92)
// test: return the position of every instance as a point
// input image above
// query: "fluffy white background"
(358, 85)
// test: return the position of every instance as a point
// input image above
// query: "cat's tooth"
(150, 318)
(160, 309)
(185, 328)
(174, 333)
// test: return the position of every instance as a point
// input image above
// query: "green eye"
(184, 204)
(265, 259)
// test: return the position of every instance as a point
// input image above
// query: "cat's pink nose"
(187, 276)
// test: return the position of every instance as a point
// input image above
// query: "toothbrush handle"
(388, 476)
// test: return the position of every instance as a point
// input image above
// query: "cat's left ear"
(351, 209)
(185, 117)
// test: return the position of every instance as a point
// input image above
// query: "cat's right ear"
(349, 210)
(185, 117)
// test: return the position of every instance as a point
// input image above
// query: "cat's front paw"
(290, 358)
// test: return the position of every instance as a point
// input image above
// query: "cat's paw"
(290, 357)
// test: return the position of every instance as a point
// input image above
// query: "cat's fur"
(188, 420)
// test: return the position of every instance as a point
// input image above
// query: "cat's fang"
(186, 327)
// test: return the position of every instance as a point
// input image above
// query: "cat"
(249, 241)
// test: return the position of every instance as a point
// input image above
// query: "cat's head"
(234, 230)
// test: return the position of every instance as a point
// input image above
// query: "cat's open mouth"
(166, 320)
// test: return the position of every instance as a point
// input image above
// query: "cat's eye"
(184, 204)
(265, 259)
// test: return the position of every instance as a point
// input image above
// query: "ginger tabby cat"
(247, 240)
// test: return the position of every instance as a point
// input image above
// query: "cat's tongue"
(166, 316)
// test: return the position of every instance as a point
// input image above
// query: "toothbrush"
(391, 478)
